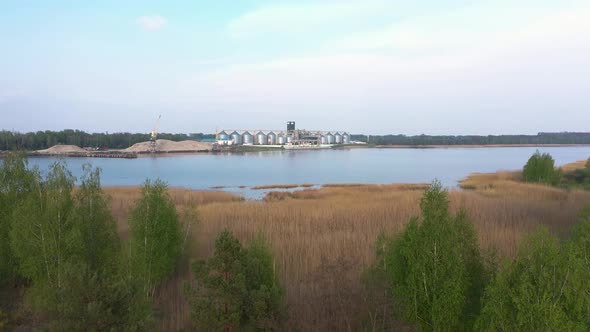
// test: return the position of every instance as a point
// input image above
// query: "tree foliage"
(155, 244)
(237, 288)
(16, 183)
(540, 138)
(42, 232)
(540, 168)
(44, 139)
(67, 246)
(435, 267)
(95, 226)
(546, 288)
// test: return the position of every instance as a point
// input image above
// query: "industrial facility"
(289, 138)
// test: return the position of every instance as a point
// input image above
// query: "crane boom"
(154, 134)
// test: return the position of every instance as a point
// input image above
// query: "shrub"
(540, 168)
(546, 288)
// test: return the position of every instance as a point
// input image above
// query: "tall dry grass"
(323, 239)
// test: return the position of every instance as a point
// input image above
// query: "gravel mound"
(164, 145)
(59, 149)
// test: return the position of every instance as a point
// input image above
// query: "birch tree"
(16, 183)
(42, 232)
(155, 242)
(435, 267)
(95, 226)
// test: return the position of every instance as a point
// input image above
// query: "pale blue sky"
(368, 66)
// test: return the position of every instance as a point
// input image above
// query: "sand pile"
(164, 145)
(62, 149)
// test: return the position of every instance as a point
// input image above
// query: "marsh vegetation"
(323, 249)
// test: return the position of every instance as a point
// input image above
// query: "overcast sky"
(367, 66)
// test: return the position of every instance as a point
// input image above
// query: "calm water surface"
(203, 171)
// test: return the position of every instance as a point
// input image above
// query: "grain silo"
(223, 136)
(345, 138)
(271, 138)
(247, 138)
(260, 138)
(236, 138)
(329, 138)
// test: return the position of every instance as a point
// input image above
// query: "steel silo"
(345, 138)
(260, 139)
(323, 140)
(338, 138)
(236, 138)
(272, 138)
(247, 138)
(330, 139)
(281, 139)
(223, 136)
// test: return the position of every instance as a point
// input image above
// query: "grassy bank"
(323, 238)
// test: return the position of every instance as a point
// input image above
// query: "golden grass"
(580, 164)
(276, 186)
(283, 186)
(123, 199)
(323, 239)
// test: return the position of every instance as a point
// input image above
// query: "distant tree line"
(11, 141)
(540, 138)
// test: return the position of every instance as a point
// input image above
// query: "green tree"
(376, 293)
(41, 234)
(237, 288)
(42, 239)
(66, 245)
(578, 292)
(220, 286)
(546, 288)
(155, 244)
(96, 295)
(263, 305)
(95, 226)
(16, 183)
(540, 168)
(435, 267)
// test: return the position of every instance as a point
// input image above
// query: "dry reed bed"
(283, 186)
(323, 239)
(575, 165)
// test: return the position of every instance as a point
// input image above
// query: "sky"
(364, 66)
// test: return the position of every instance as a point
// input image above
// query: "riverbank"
(467, 146)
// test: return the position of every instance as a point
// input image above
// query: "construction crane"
(154, 134)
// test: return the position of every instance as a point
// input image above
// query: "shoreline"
(476, 146)
(268, 188)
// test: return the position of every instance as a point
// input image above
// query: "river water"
(238, 172)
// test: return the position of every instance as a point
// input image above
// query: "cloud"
(306, 16)
(540, 65)
(152, 23)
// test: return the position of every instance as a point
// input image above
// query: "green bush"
(540, 168)
(546, 288)
(435, 267)
(237, 288)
